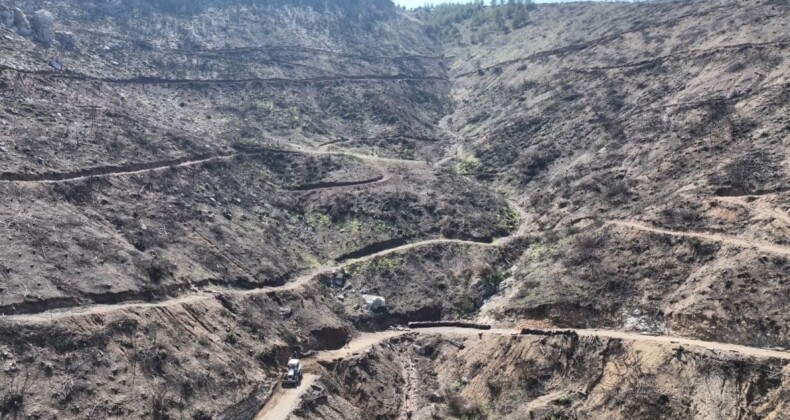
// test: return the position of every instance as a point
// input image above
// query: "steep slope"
(649, 145)
(100, 161)
(172, 170)
(207, 187)
(457, 374)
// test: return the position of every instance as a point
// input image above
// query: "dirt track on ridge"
(729, 240)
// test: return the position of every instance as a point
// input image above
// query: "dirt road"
(138, 168)
(709, 345)
(299, 282)
(729, 240)
(285, 400)
(159, 165)
(359, 344)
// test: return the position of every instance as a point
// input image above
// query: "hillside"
(649, 145)
(195, 191)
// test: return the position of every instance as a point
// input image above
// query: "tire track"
(242, 50)
(683, 54)
(285, 401)
(382, 178)
(729, 240)
(291, 48)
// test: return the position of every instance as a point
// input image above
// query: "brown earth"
(211, 186)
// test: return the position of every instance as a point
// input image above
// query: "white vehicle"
(293, 377)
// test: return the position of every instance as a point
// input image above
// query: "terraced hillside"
(195, 191)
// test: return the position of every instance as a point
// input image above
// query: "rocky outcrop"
(6, 17)
(374, 303)
(21, 24)
(39, 26)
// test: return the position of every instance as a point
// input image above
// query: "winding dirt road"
(116, 170)
(145, 167)
(298, 283)
(152, 80)
(284, 401)
(131, 169)
(729, 240)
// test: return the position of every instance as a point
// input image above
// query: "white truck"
(293, 377)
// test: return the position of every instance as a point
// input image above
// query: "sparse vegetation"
(444, 19)
(194, 192)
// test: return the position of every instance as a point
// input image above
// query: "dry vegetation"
(586, 165)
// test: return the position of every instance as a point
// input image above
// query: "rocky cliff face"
(38, 26)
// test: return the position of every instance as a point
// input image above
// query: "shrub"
(682, 216)
(11, 403)
(231, 337)
(158, 269)
(747, 172)
(586, 249)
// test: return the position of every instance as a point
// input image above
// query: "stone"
(56, 65)
(66, 40)
(41, 24)
(373, 302)
(6, 17)
(21, 24)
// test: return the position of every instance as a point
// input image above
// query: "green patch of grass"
(383, 226)
(556, 415)
(357, 268)
(383, 264)
(351, 309)
(509, 218)
(468, 165)
(311, 260)
(538, 250)
(350, 226)
(318, 220)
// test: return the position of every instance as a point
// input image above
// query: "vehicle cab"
(294, 366)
